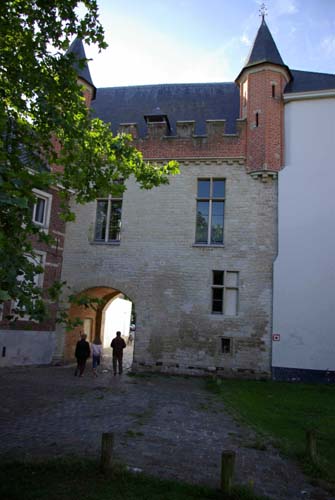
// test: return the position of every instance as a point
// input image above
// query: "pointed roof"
(77, 49)
(263, 50)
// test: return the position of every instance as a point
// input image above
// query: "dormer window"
(158, 116)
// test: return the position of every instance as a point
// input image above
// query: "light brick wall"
(169, 279)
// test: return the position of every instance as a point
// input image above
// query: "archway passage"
(115, 312)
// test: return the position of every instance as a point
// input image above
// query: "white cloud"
(139, 55)
(328, 44)
(245, 40)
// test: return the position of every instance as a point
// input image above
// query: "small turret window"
(256, 119)
(273, 91)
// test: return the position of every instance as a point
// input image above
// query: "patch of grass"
(286, 411)
(131, 433)
(69, 479)
(204, 406)
(144, 417)
(258, 444)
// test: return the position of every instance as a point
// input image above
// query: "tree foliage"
(40, 101)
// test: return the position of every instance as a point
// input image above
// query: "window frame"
(224, 342)
(39, 282)
(210, 199)
(224, 287)
(47, 197)
(109, 200)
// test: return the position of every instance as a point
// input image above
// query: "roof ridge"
(167, 85)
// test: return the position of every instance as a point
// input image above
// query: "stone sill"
(107, 243)
(204, 245)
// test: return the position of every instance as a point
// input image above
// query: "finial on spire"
(263, 11)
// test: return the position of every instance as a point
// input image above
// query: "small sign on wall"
(276, 337)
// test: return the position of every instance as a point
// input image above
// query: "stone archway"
(93, 320)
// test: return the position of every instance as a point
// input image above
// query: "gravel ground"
(166, 426)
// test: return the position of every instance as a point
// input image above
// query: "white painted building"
(304, 271)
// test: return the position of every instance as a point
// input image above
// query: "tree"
(44, 122)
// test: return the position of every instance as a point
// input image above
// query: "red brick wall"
(265, 142)
(52, 269)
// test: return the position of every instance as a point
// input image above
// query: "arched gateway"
(101, 320)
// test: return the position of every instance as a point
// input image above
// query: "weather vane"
(263, 11)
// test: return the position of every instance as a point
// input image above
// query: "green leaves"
(48, 137)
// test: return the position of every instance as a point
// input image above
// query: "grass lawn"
(72, 479)
(285, 411)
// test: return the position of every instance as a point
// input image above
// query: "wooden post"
(107, 441)
(227, 470)
(311, 445)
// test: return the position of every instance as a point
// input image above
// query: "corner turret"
(80, 65)
(262, 81)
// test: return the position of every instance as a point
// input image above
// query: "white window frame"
(47, 197)
(225, 286)
(210, 201)
(39, 280)
(109, 199)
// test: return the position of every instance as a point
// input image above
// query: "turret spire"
(264, 48)
(77, 49)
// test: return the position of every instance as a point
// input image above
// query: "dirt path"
(166, 426)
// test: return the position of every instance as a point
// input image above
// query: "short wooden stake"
(227, 470)
(311, 445)
(107, 442)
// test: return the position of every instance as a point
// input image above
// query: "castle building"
(226, 264)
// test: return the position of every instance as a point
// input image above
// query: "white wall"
(304, 271)
(26, 347)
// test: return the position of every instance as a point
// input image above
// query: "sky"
(192, 41)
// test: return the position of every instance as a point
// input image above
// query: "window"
(41, 208)
(210, 211)
(256, 120)
(225, 292)
(225, 345)
(38, 260)
(108, 219)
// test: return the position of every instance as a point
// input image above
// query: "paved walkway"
(166, 426)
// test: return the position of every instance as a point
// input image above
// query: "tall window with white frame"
(108, 219)
(38, 260)
(210, 211)
(41, 208)
(225, 288)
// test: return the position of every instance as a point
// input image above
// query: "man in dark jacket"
(118, 344)
(82, 353)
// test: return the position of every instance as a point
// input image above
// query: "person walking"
(82, 353)
(96, 355)
(118, 344)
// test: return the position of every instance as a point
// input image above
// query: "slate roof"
(189, 101)
(264, 48)
(77, 48)
(305, 81)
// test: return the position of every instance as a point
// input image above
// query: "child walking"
(96, 355)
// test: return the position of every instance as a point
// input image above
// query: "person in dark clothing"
(82, 353)
(118, 344)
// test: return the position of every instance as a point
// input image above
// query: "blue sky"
(176, 41)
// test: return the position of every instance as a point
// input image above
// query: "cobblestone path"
(166, 426)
